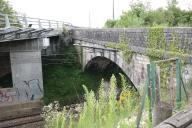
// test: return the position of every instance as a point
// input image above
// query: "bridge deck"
(13, 34)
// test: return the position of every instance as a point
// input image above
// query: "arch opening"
(104, 68)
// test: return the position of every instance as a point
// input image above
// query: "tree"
(172, 3)
(173, 13)
(141, 15)
(110, 23)
(186, 18)
(5, 8)
(137, 8)
(129, 19)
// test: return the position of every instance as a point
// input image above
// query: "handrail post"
(39, 23)
(25, 21)
(57, 25)
(7, 22)
(63, 24)
(49, 24)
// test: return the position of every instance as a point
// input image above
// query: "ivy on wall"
(124, 47)
(161, 45)
(158, 47)
(156, 43)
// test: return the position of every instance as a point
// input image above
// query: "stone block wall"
(135, 36)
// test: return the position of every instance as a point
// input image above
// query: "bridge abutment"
(26, 69)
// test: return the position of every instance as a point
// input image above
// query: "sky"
(85, 13)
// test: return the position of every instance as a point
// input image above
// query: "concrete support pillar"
(27, 74)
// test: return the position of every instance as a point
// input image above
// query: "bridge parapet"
(136, 36)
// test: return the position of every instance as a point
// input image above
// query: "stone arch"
(103, 64)
(135, 70)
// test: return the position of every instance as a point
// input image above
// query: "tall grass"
(100, 110)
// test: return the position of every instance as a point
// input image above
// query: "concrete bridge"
(22, 40)
(21, 44)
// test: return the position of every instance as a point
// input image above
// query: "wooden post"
(161, 110)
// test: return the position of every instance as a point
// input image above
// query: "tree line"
(141, 15)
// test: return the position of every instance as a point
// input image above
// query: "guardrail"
(8, 21)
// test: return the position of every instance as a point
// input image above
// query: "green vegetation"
(123, 46)
(156, 43)
(5, 8)
(141, 15)
(63, 81)
(102, 112)
(158, 50)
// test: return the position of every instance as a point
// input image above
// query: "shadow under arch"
(106, 67)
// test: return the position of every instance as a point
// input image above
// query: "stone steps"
(39, 124)
(21, 115)
(21, 122)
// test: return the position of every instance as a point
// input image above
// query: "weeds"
(105, 111)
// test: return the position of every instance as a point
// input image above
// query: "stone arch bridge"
(93, 44)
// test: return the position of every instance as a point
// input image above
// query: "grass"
(102, 112)
(64, 83)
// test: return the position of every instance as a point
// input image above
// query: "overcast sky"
(77, 12)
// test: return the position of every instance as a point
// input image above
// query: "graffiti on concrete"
(29, 90)
(7, 95)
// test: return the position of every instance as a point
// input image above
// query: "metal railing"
(8, 21)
